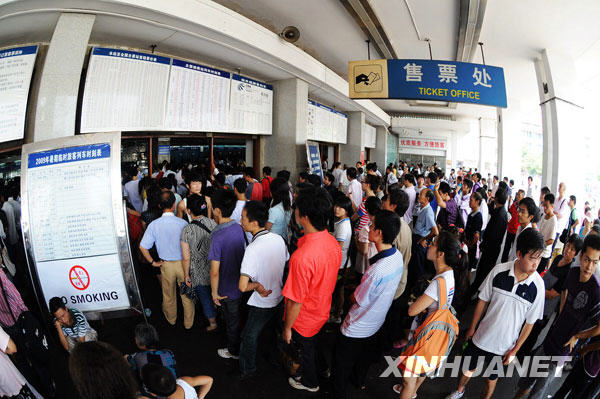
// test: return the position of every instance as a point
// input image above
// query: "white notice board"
(326, 124)
(251, 106)
(370, 136)
(16, 66)
(124, 90)
(198, 98)
(73, 223)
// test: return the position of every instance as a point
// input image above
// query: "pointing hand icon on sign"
(368, 80)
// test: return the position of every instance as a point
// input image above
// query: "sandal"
(398, 389)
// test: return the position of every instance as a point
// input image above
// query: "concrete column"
(350, 152)
(61, 74)
(286, 148)
(500, 141)
(561, 116)
(378, 154)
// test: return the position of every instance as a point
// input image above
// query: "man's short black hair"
(257, 211)
(314, 203)
(329, 177)
(388, 223)
(573, 198)
(591, 241)
(224, 200)
(467, 182)
(432, 177)
(501, 195)
(220, 178)
(167, 200)
(411, 178)
(249, 171)
(373, 181)
(315, 180)
(303, 175)
(351, 172)
(56, 303)
(267, 170)
(398, 197)
(158, 379)
(545, 190)
(445, 188)
(530, 205)
(550, 198)
(371, 166)
(284, 174)
(197, 205)
(530, 240)
(372, 205)
(165, 183)
(240, 185)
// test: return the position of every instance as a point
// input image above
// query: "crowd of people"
(380, 256)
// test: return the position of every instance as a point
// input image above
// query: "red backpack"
(432, 340)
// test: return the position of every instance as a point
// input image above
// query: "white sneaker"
(224, 353)
(455, 395)
(398, 389)
(296, 384)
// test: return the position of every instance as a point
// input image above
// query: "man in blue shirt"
(425, 229)
(165, 232)
(432, 179)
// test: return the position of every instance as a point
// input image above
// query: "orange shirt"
(311, 280)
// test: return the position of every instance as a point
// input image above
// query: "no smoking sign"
(79, 277)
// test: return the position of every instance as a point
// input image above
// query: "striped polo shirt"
(374, 295)
(80, 325)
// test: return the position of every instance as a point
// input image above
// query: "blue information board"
(428, 80)
(314, 159)
(68, 155)
(164, 149)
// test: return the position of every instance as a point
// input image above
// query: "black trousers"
(231, 314)
(311, 358)
(576, 384)
(510, 237)
(351, 361)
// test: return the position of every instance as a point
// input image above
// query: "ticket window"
(10, 165)
(230, 152)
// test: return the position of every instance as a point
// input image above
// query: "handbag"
(289, 355)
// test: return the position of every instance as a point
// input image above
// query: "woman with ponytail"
(446, 254)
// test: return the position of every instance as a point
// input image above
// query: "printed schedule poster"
(251, 106)
(124, 91)
(198, 98)
(72, 227)
(16, 67)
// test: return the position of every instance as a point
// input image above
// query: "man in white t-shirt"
(562, 211)
(337, 174)
(547, 226)
(370, 303)
(261, 272)
(513, 294)
(409, 189)
(355, 192)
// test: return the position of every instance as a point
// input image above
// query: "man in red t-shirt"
(313, 273)
(254, 192)
(266, 185)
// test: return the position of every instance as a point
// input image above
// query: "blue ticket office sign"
(314, 158)
(428, 80)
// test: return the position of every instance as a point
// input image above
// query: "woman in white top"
(158, 380)
(342, 232)
(12, 382)
(445, 253)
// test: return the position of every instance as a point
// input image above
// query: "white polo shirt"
(510, 305)
(264, 261)
(374, 295)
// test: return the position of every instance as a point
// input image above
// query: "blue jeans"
(208, 306)
(257, 319)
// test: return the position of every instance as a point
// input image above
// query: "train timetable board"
(124, 91)
(198, 98)
(16, 67)
(74, 225)
(251, 106)
(326, 124)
